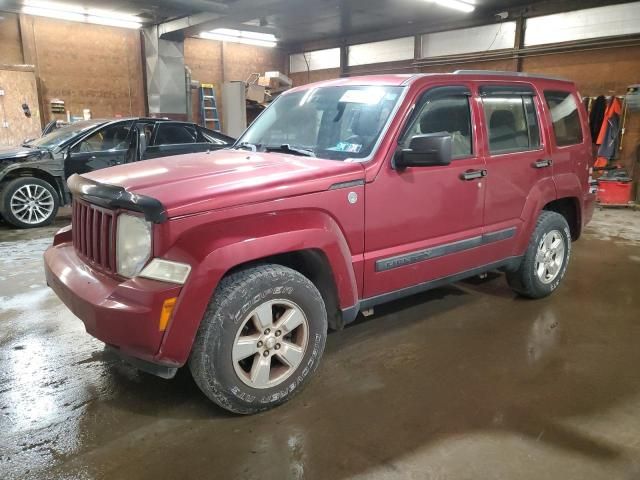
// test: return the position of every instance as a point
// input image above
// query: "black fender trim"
(113, 196)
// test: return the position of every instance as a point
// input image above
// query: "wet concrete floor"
(467, 382)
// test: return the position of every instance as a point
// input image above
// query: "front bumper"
(123, 314)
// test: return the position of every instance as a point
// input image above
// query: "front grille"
(94, 234)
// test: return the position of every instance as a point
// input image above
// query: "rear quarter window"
(565, 117)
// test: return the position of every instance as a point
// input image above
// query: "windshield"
(60, 136)
(334, 123)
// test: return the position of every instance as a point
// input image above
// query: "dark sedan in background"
(33, 176)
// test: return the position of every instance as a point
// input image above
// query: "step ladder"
(209, 117)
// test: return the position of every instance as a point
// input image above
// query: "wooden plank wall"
(87, 66)
(19, 87)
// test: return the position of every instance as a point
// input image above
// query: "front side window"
(565, 117)
(512, 123)
(437, 114)
(176, 133)
(335, 123)
(113, 137)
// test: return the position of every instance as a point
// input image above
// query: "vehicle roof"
(408, 79)
(137, 119)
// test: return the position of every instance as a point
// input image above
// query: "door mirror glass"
(426, 150)
(142, 143)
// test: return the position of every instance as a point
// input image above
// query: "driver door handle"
(543, 163)
(470, 175)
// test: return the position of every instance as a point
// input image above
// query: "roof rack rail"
(506, 73)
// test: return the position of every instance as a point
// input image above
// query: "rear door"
(175, 138)
(517, 156)
(106, 147)
(571, 149)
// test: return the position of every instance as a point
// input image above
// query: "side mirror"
(426, 150)
(142, 144)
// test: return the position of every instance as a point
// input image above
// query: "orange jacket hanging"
(614, 109)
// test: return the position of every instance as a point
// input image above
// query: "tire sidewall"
(230, 391)
(552, 222)
(13, 186)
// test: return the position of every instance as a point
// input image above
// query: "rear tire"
(260, 340)
(29, 202)
(545, 262)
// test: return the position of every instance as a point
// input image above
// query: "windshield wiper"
(247, 146)
(286, 148)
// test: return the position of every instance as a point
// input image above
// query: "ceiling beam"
(237, 13)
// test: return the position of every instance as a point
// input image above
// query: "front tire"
(29, 202)
(260, 340)
(546, 260)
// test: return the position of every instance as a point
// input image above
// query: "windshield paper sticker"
(369, 96)
(347, 147)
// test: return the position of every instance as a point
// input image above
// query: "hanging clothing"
(609, 137)
(596, 117)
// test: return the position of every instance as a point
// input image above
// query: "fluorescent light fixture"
(466, 6)
(78, 13)
(241, 36)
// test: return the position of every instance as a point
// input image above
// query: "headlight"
(133, 245)
(166, 271)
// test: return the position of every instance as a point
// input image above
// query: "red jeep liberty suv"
(342, 195)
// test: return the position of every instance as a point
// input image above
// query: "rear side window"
(172, 134)
(512, 123)
(566, 120)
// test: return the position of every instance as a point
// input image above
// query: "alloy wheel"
(32, 204)
(550, 256)
(270, 344)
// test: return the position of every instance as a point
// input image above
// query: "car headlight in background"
(166, 271)
(133, 244)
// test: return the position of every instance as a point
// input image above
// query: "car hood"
(195, 183)
(15, 153)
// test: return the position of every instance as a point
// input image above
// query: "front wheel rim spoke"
(291, 320)
(261, 371)
(263, 316)
(19, 210)
(245, 347)
(291, 354)
(40, 193)
(20, 197)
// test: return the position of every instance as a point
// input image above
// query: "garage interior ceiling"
(296, 22)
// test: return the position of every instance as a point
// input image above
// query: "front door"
(104, 148)
(426, 223)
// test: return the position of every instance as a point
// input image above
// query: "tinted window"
(444, 114)
(114, 137)
(512, 123)
(64, 134)
(566, 120)
(172, 134)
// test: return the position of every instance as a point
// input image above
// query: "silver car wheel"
(270, 344)
(32, 204)
(550, 256)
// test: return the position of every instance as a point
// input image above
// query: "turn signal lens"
(166, 271)
(167, 310)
